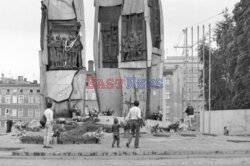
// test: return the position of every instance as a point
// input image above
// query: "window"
(37, 99)
(38, 91)
(21, 99)
(14, 112)
(14, 90)
(31, 90)
(8, 99)
(14, 99)
(30, 113)
(20, 113)
(21, 91)
(7, 112)
(31, 99)
(37, 113)
(8, 90)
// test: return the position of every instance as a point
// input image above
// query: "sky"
(20, 29)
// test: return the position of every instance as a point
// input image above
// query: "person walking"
(48, 113)
(9, 124)
(133, 118)
(190, 114)
(116, 133)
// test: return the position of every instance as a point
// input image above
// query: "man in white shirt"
(48, 126)
(133, 118)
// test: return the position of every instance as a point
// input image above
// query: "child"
(226, 131)
(116, 133)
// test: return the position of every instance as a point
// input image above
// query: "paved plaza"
(146, 162)
(172, 144)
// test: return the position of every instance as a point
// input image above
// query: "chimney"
(25, 79)
(20, 78)
(90, 65)
(34, 81)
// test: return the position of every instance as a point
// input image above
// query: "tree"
(217, 81)
(242, 42)
(230, 61)
(227, 53)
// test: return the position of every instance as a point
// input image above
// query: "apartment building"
(181, 86)
(19, 100)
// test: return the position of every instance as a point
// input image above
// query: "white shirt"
(134, 113)
(49, 115)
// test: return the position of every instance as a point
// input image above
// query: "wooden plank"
(108, 2)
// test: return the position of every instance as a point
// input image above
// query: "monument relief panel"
(109, 17)
(128, 43)
(62, 55)
(64, 45)
(155, 22)
(133, 40)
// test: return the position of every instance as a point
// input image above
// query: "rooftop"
(20, 81)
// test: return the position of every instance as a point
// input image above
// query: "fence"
(236, 121)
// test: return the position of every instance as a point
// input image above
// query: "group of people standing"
(132, 119)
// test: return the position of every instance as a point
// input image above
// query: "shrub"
(31, 139)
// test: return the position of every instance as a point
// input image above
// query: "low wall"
(236, 121)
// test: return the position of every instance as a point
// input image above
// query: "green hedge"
(70, 134)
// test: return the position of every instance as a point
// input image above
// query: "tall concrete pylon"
(129, 54)
(62, 55)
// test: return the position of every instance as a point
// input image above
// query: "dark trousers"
(116, 138)
(135, 130)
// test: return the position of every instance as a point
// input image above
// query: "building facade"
(181, 86)
(19, 100)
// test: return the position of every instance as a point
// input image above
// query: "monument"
(62, 55)
(129, 54)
